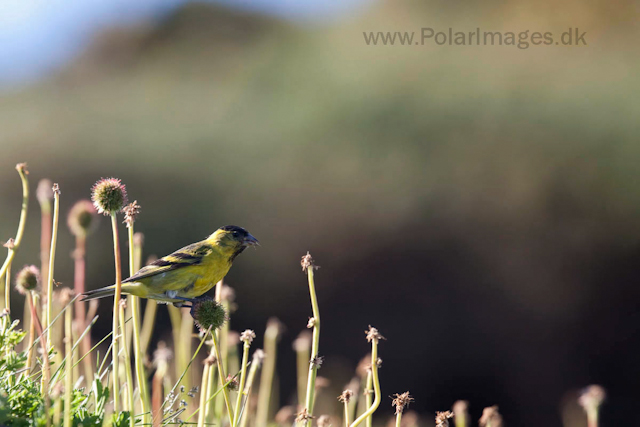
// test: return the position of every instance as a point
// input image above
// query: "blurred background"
(477, 204)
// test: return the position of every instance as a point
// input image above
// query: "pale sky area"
(37, 36)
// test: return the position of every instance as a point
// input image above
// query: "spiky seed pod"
(233, 383)
(82, 219)
(373, 334)
(27, 279)
(44, 193)
(247, 336)
(207, 312)
(307, 262)
(109, 195)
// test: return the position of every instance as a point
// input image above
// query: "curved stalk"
(52, 259)
(376, 384)
(21, 168)
(116, 304)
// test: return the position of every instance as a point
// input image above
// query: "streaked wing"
(189, 255)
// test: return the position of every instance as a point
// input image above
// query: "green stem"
(68, 381)
(376, 384)
(52, 258)
(243, 375)
(346, 414)
(369, 397)
(204, 392)
(398, 418)
(223, 377)
(268, 373)
(255, 365)
(7, 289)
(139, 355)
(21, 225)
(127, 366)
(116, 305)
(150, 309)
(313, 367)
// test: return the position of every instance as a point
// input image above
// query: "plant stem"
(7, 289)
(223, 377)
(127, 366)
(346, 414)
(80, 309)
(313, 367)
(398, 418)
(116, 304)
(243, 375)
(204, 392)
(255, 365)
(302, 347)
(23, 220)
(139, 356)
(33, 314)
(369, 397)
(268, 372)
(148, 322)
(68, 381)
(376, 384)
(52, 258)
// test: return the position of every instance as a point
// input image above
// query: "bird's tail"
(107, 291)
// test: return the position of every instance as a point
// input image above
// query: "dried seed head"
(247, 336)
(346, 396)
(82, 219)
(304, 416)
(307, 262)
(591, 398)
(130, 212)
(317, 361)
(442, 418)
(207, 312)
(44, 193)
(109, 196)
(10, 244)
(22, 167)
(302, 342)
(324, 421)
(490, 417)
(162, 355)
(233, 383)
(400, 401)
(56, 188)
(461, 410)
(27, 279)
(373, 334)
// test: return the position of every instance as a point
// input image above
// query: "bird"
(188, 273)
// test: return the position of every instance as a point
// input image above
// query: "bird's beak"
(251, 241)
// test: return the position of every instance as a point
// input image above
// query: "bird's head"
(233, 238)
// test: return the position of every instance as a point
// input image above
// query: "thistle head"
(208, 313)
(400, 401)
(44, 194)
(109, 195)
(27, 279)
(82, 219)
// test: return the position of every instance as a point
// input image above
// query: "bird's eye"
(235, 234)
